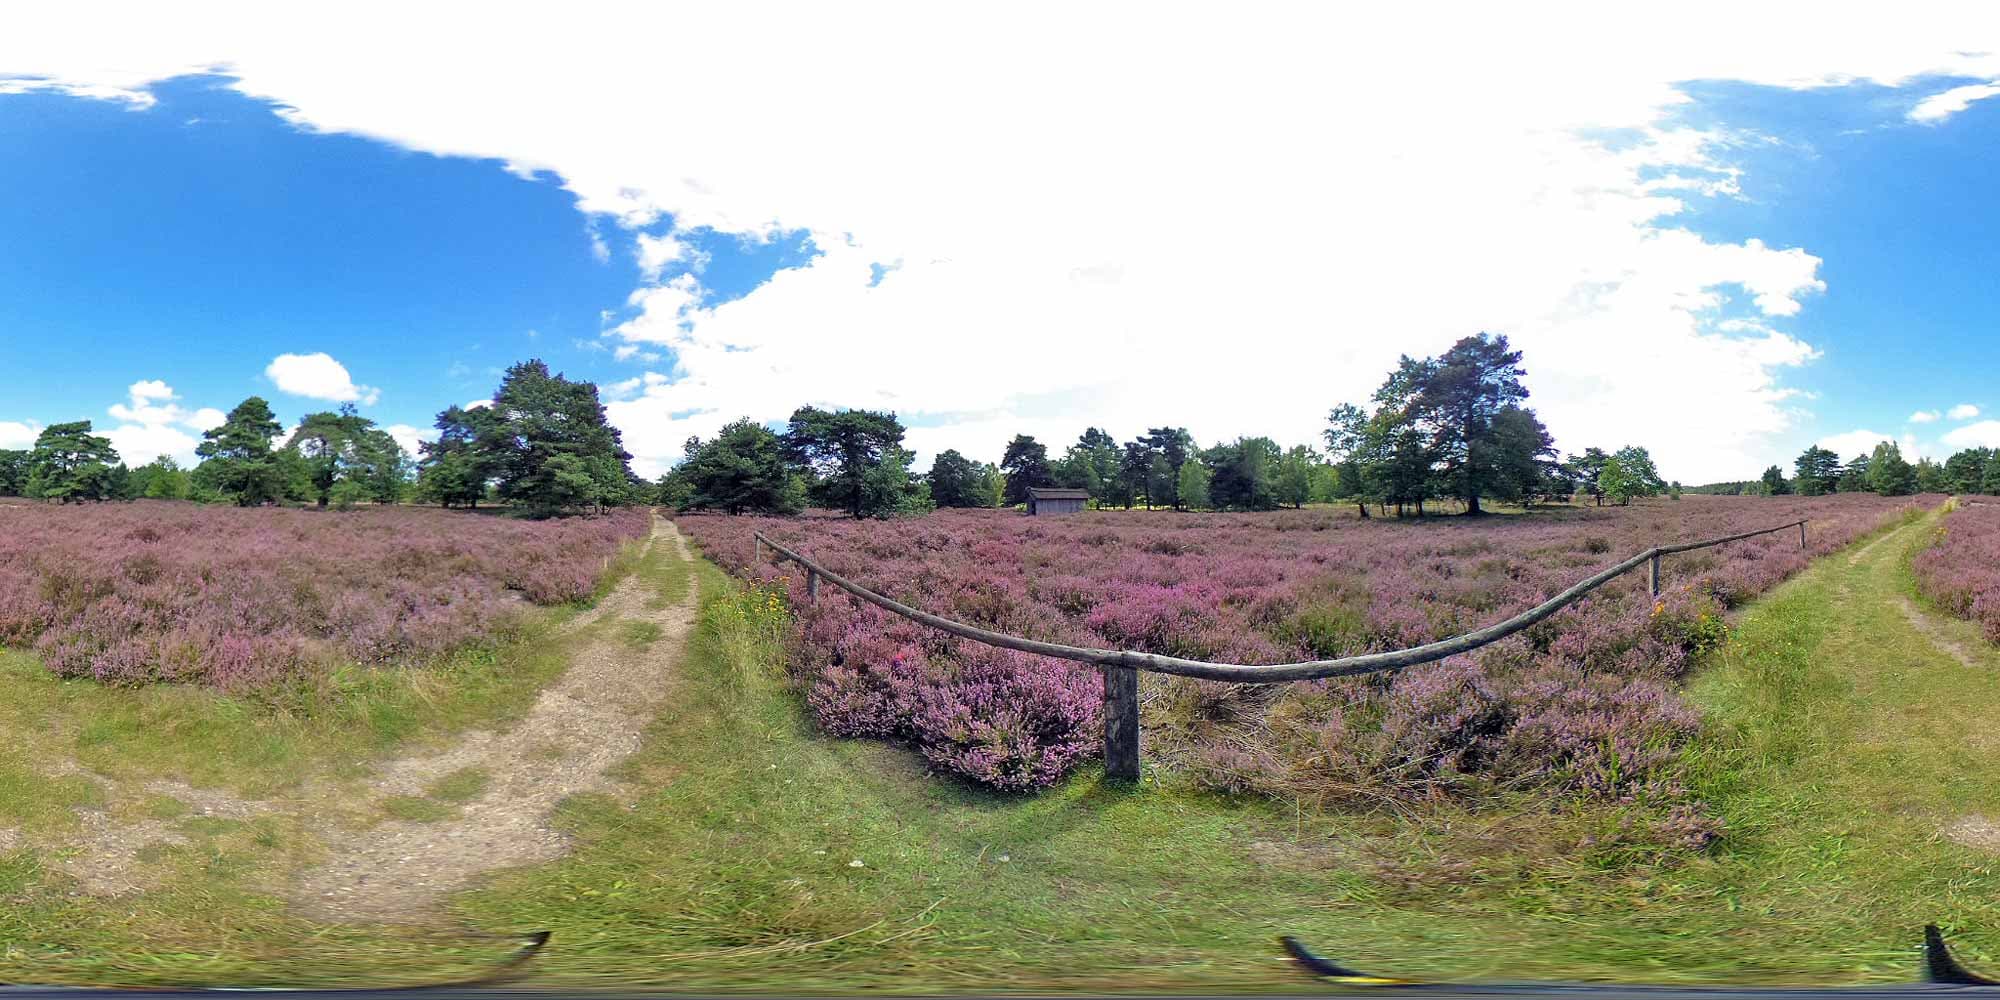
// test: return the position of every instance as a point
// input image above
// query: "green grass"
(417, 809)
(462, 785)
(441, 798)
(639, 634)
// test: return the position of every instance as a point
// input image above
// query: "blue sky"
(194, 241)
(1778, 244)
(1902, 214)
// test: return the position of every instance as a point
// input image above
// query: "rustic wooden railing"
(1121, 667)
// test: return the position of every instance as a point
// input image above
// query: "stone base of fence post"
(1121, 724)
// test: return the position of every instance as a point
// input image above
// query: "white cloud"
(151, 423)
(656, 252)
(18, 435)
(318, 376)
(1852, 443)
(409, 438)
(1963, 411)
(1231, 225)
(137, 100)
(151, 389)
(1938, 107)
(1984, 434)
(1924, 417)
(478, 404)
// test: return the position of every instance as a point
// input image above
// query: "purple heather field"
(152, 591)
(1587, 702)
(1961, 572)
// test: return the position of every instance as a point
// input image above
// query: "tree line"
(1818, 471)
(541, 445)
(1451, 427)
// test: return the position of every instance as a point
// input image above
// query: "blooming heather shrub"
(1586, 701)
(1961, 571)
(162, 592)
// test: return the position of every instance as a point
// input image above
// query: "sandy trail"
(583, 724)
(588, 721)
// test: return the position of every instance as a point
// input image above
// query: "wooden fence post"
(1653, 575)
(1802, 536)
(759, 548)
(812, 587)
(1121, 724)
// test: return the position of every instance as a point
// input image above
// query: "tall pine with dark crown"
(551, 447)
(1462, 393)
(239, 464)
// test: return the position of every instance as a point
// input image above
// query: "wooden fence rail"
(1121, 667)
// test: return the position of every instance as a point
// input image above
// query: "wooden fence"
(1121, 667)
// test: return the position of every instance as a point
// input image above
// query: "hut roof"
(1039, 493)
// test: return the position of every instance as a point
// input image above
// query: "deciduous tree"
(1888, 473)
(1774, 482)
(161, 479)
(957, 481)
(14, 465)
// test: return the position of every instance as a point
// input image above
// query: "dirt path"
(583, 724)
(589, 720)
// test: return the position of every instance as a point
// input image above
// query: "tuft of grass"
(33, 800)
(462, 785)
(417, 809)
(639, 634)
(164, 807)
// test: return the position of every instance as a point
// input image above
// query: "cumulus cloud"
(1963, 411)
(656, 252)
(318, 376)
(1984, 434)
(1924, 417)
(138, 100)
(1938, 107)
(17, 434)
(151, 423)
(1857, 442)
(411, 438)
(1230, 226)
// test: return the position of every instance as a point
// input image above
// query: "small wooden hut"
(1056, 501)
